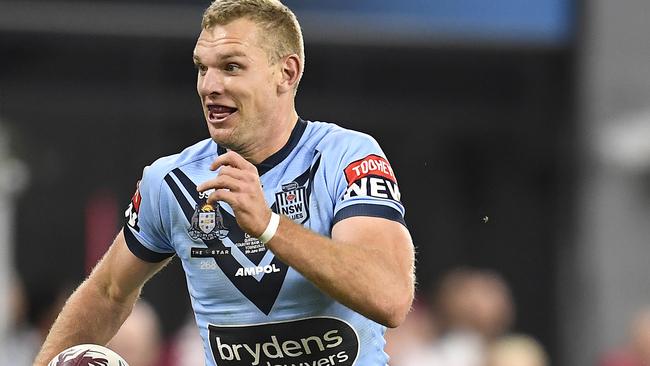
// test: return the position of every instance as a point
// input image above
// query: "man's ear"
(291, 70)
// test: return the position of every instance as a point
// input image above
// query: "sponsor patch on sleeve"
(371, 165)
(371, 176)
(132, 212)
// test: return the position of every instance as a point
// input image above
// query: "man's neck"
(276, 139)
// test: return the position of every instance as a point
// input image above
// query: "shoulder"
(334, 138)
(154, 174)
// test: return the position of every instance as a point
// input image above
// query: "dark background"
(473, 129)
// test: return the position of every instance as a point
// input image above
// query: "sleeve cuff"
(366, 209)
(141, 251)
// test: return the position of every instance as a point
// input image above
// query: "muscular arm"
(97, 309)
(367, 265)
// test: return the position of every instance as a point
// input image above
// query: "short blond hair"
(281, 34)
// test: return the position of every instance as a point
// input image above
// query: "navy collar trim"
(281, 154)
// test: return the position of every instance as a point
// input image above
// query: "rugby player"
(291, 232)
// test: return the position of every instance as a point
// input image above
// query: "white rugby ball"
(87, 355)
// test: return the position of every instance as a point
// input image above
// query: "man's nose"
(211, 82)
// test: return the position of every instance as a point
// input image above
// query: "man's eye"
(232, 67)
(202, 68)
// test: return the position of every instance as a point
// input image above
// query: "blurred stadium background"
(533, 114)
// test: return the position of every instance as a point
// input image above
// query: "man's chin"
(219, 135)
(223, 137)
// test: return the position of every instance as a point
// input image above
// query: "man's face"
(236, 83)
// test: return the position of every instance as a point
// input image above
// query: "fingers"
(233, 159)
(230, 178)
(236, 173)
(221, 182)
(223, 195)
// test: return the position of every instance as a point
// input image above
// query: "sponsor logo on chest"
(253, 271)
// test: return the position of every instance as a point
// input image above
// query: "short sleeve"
(144, 228)
(365, 183)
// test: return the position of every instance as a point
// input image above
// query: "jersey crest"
(292, 202)
(207, 223)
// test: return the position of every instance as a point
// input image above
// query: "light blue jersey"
(251, 308)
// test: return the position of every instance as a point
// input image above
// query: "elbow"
(398, 302)
(394, 310)
(111, 292)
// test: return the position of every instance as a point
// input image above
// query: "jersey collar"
(281, 154)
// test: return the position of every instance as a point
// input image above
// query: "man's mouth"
(218, 113)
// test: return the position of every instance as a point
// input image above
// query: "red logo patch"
(371, 165)
(136, 199)
(132, 212)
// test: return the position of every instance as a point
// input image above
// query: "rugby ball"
(87, 355)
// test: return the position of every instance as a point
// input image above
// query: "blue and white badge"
(292, 202)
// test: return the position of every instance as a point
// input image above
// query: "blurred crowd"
(466, 320)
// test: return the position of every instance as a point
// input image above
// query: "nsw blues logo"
(292, 202)
(207, 223)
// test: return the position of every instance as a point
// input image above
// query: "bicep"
(122, 274)
(388, 237)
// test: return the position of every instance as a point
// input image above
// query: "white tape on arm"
(271, 228)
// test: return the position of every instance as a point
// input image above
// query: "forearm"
(365, 278)
(367, 266)
(91, 315)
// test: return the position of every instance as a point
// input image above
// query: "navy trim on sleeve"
(366, 209)
(141, 251)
